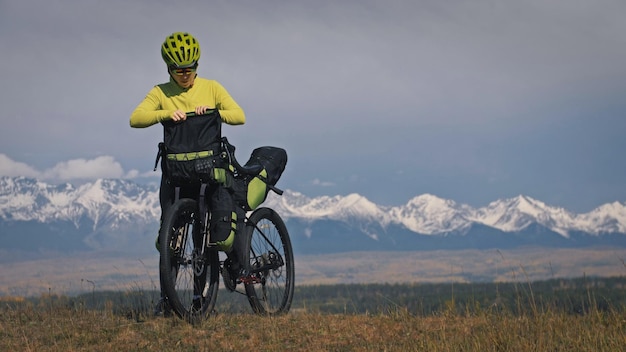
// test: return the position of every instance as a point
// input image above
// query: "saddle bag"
(251, 191)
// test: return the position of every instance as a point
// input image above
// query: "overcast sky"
(467, 100)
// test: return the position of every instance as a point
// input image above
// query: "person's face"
(184, 77)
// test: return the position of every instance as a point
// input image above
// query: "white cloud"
(318, 182)
(147, 174)
(9, 167)
(132, 174)
(100, 167)
(75, 169)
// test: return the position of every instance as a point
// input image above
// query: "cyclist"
(185, 92)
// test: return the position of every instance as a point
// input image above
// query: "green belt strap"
(190, 156)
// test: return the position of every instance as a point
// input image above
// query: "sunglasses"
(183, 71)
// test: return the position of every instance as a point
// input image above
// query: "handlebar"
(247, 170)
(193, 113)
(250, 170)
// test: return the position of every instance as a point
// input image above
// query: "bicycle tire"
(180, 261)
(270, 282)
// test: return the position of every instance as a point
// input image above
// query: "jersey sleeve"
(149, 112)
(230, 111)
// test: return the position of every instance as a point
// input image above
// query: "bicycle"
(190, 266)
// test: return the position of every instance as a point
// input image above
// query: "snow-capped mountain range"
(119, 214)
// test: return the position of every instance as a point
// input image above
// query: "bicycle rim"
(190, 276)
(270, 285)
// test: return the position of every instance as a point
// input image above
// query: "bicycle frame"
(190, 264)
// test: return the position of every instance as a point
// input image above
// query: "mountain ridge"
(429, 214)
(120, 214)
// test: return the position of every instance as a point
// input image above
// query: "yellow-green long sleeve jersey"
(164, 99)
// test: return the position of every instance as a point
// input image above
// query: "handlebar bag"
(191, 150)
(251, 191)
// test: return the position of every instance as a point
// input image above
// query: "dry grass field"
(50, 323)
(54, 327)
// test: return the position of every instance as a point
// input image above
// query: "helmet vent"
(180, 49)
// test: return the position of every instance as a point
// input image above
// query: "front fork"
(200, 255)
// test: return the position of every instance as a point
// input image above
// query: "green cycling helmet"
(181, 50)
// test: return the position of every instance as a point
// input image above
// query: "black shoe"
(230, 274)
(162, 308)
(196, 305)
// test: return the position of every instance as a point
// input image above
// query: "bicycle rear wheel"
(270, 283)
(189, 272)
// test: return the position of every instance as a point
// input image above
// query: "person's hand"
(179, 116)
(200, 110)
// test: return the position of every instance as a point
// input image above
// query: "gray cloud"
(467, 100)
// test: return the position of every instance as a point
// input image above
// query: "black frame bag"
(191, 149)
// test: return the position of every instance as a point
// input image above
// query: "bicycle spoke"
(270, 283)
(189, 271)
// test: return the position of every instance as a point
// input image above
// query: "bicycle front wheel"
(189, 272)
(270, 283)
